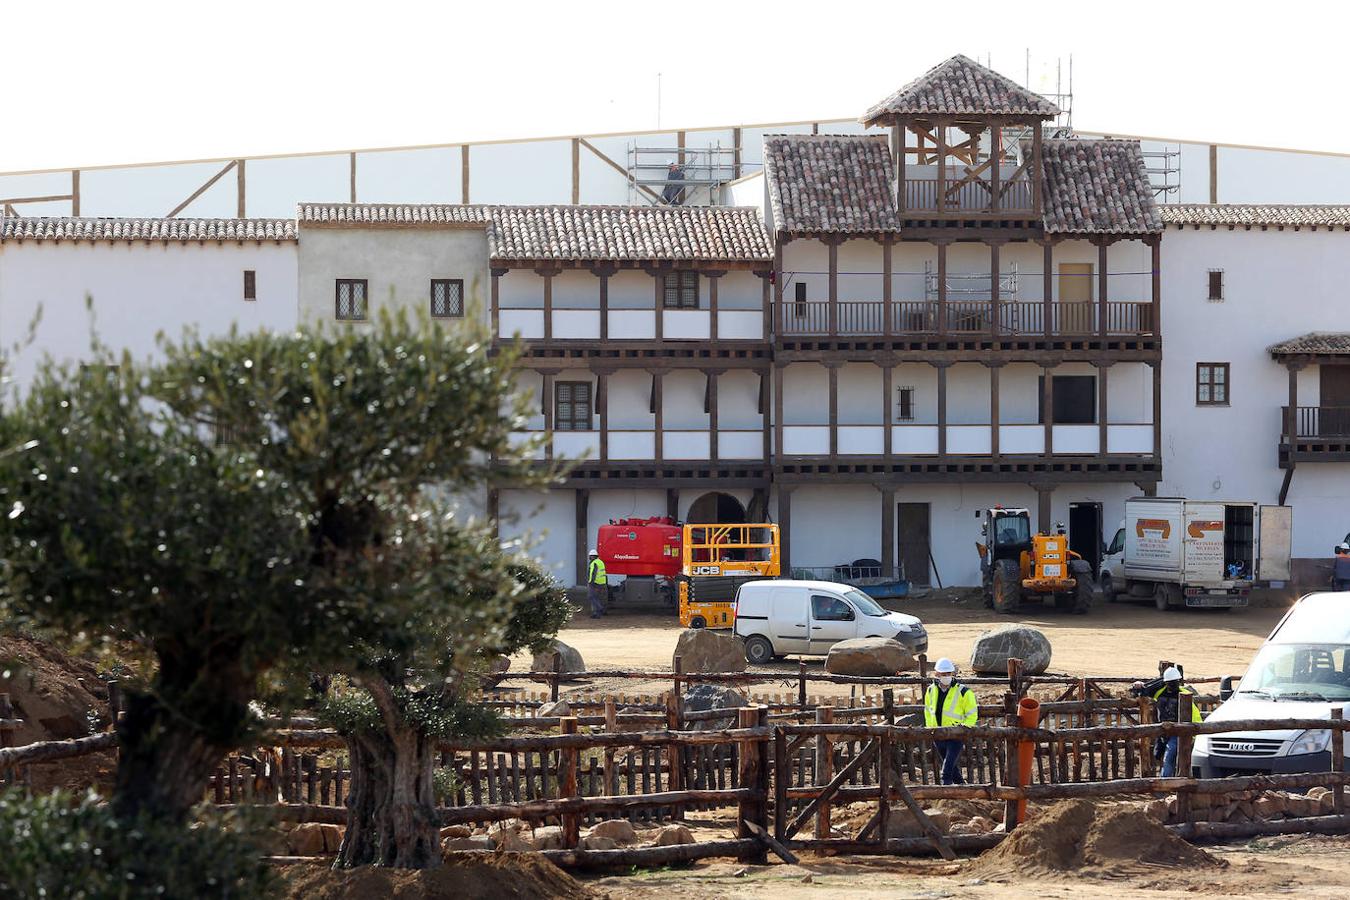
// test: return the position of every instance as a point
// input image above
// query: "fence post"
(824, 771)
(750, 776)
(1015, 680)
(1338, 760)
(557, 677)
(801, 685)
(884, 770)
(674, 752)
(1183, 770)
(679, 682)
(923, 665)
(114, 701)
(888, 705)
(611, 727)
(7, 739)
(1147, 764)
(1012, 770)
(782, 775)
(567, 784)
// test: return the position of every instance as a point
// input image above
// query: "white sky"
(99, 83)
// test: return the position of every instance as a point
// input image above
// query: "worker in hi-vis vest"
(1165, 692)
(947, 703)
(597, 584)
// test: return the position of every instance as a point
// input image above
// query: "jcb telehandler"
(1016, 564)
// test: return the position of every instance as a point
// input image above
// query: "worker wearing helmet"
(1166, 694)
(947, 703)
(1340, 568)
(597, 584)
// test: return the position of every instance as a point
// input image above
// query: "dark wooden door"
(1085, 532)
(912, 533)
(1334, 418)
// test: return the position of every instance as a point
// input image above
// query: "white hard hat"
(944, 666)
(1172, 673)
(592, 553)
(1343, 547)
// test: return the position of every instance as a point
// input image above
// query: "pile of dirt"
(482, 876)
(1083, 838)
(58, 697)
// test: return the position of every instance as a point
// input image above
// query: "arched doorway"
(716, 508)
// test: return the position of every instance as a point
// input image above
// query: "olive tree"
(252, 503)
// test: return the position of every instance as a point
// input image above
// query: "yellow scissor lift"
(713, 558)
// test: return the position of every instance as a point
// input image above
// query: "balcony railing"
(1124, 439)
(583, 324)
(639, 444)
(972, 197)
(852, 318)
(1315, 422)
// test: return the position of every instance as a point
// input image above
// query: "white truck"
(1195, 552)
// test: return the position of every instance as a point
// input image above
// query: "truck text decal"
(1197, 528)
(1162, 526)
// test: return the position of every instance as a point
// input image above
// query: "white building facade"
(943, 309)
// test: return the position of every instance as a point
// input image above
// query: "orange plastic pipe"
(1028, 716)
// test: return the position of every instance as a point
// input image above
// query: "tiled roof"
(357, 215)
(961, 87)
(1248, 215)
(1097, 187)
(715, 233)
(41, 228)
(1317, 343)
(820, 183)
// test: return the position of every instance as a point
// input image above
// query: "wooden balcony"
(1011, 318)
(1314, 434)
(926, 199)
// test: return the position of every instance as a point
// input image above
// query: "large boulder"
(572, 663)
(995, 647)
(620, 831)
(868, 657)
(702, 650)
(902, 824)
(703, 697)
(671, 835)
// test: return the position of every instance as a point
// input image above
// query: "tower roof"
(961, 87)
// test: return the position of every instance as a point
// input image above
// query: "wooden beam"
(834, 407)
(583, 507)
(203, 189)
(942, 409)
(1102, 386)
(240, 190)
(712, 415)
(618, 168)
(602, 407)
(1213, 173)
(47, 199)
(576, 171)
(351, 177)
(658, 401)
(1102, 289)
(994, 404)
(75, 192)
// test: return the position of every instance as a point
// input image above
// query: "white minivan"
(778, 617)
(1301, 672)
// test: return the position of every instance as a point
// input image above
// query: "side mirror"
(977, 513)
(1225, 687)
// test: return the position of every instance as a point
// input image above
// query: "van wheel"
(698, 622)
(1162, 597)
(1108, 590)
(758, 650)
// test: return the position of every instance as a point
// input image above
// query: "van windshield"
(1316, 672)
(865, 604)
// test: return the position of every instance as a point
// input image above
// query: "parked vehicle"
(1016, 565)
(777, 617)
(1302, 671)
(1195, 553)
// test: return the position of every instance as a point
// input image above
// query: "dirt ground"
(1112, 639)
(1308, 866)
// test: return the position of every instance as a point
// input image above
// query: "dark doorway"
(716, 509)
(912, 532)
(1085, 532)
(1075, 400)
(1334, 417)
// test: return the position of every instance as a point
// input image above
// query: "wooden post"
(602, 408)
(714, 449)
(582, 517)
(1012, 772)
(713, 279)
(995, 157)
(1155, 252)
(994, 286)
(888, 705)
(994, 404)
(942, 408)
(887, 531)
(556, 678)
(658, 402)
(833, 295)
(1036, 168)
(548, 305)
(1337, 760)
(495, 300)
(824, 771)
(674, 753)
(753, 774)
(785, 527)
(887, 313)
(833, 369)
(660, 323)
(1156, 371)
(604, 304)
(7, 739)
(887, 404)
(241, 204)
(884, 770)
(567, 783)
(923, 665)
(114, 700)
(940, 131)
(899, 138)
(611, 727)
(1048, 409)
(1185, 742)
(547, 402)
(801, 685)
(1102, 291)
(1048, 289)
(942, 287)
(677, 687)
(1291, 425)
(1147, 764)
(782, 772)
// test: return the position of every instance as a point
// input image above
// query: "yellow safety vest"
(596, 573)
(1195, 709)
(962, 707)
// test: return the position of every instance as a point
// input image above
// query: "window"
(1117, 543)
(572, 406)
(447, 298)
(1211, 384)
(1075, 399)
(906, 404)
(351, 299)
(830, 609)
(799, 309)
(1216, 285)
(681, 290)
(250, 284)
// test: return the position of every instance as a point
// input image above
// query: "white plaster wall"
(860, 397)
(399, 265)
(630, 400)
(738, 400)
(740, 289)
(968, 394)
(682, 401)
(575, 289)
(546, 523)
(1277, 285)
(137, 290)
(806, 395)
(520, 289)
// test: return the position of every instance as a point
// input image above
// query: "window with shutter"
(906, 404)
(447, 298)
(1211, 384)
(799, 307)
(572, 406)
(681, 290)
(1216, 285)
(250, 284)
(350, 304)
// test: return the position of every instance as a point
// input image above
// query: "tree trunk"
(165, 760)
(391, 817)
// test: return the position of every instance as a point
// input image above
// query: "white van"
(778, 617)
(1302, 671)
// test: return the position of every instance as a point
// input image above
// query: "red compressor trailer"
(647, 552)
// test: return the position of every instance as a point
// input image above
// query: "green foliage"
(540, 614)
(433, 711)
(74, 848)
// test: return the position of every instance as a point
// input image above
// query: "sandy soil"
(1115, 639)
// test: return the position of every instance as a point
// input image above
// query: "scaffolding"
(971, 285)
(1164, 172)
(704, 170)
